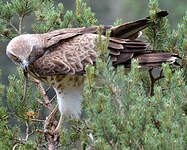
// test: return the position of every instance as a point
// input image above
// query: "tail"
(122, 51)
(131, 30)
(123, 46)
(154, 59)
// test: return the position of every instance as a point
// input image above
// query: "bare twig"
(20, 23)
(76, 129)
(46, 102)
(42, 91)
(51, 117)
(51, 145)
(27, 131)
(20, 141)
(153, 80)
(51, 121)
(154, 36)
(13, 27)
(156, 123)
(48, 90)
(14, 147)
(107, 138)
(37, 120)
(51, 100)
(39, 131)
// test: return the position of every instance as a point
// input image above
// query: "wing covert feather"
(68, 57)
(71, 56)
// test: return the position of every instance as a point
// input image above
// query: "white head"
(20, 47)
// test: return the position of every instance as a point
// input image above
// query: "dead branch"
(54, 97)
(46, 102)
(153, 80)
(37, 120)
(51, 122)
(27, 131)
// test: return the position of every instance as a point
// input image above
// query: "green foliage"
(50, 17)
(120, 115)
(21, 8)
(157, 33)
(178, 38)
(177, 41)
(28, 116)
(15, 92)
(83, 15)
(25, 114)
(4, 116)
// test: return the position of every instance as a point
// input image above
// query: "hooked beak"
(25, 65)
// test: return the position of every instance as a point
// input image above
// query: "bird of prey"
(59, 58)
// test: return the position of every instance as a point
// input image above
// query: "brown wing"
(54, 37)
(68, 57)
(124, 31)
(68, 50)
(71, 56)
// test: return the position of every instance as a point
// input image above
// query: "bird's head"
(20, 49)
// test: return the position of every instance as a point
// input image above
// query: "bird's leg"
(59, 126)
(50, 117)
(50, 135)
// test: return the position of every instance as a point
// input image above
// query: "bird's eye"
(16, 59)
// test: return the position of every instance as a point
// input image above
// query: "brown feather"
(123, 58)
(131, 30)
(69, 50)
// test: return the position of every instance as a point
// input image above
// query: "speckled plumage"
(59, 57)
(69, 93)
(69, 57)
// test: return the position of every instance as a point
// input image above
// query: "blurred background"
(107, 11)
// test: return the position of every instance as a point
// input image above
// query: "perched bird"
(59, 58)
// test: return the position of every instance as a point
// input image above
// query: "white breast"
(70, 101)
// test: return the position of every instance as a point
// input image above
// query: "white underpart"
(70, 102)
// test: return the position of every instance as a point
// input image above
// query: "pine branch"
(21, 23)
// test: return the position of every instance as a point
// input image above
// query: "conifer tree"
(129, 109)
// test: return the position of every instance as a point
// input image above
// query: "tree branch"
(47, 102)
(20, 23)
(13, 27)
(153, 80)
(27, 131)
(51, 121)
